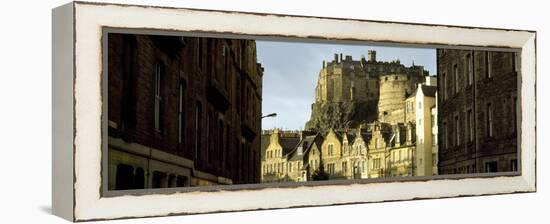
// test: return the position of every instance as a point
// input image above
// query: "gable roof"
(428, 91)
(288, 143)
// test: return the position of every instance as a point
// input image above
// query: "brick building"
(182, 111)
(478, 111)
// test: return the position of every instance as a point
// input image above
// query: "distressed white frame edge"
(62, 111)
(89, 20)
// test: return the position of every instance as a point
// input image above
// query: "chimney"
(341, 59)
(274, 136)
(336, 58)
(323, 64)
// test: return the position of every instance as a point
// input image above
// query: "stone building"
(478, 111)
(348, 91)
(182, 111)
(419, 108)
(394, 89)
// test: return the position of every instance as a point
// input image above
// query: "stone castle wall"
(348, 91)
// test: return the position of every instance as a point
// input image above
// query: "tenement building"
(182, 111)
(478, 111)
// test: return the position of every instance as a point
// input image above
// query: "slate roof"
(429, 91)
(288, 143)
(306, 144)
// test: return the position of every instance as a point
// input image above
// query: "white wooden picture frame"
(77, 193)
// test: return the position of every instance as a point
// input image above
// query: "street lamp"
(270, 115)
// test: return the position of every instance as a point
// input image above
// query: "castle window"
(396, 78)
(330, 149)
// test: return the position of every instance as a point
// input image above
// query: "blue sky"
(291, 70)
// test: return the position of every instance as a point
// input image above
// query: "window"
(221, 146)
(443, 85)
(488, 61)
(345, 167)
(470, 68)
(124, 177)
(455, 74)
(489, 118)
(171, 180)
(330, 149)
(330, 167)
(514, 165)
(198, 129)
(434, 140)
(209, 135)
(200, 52)
(159, 180)
(376, 163)
(400, 159)
(457, 131)
(515, 106)
(444, 136)
(419, 105)
(514, 62)
(139, 179)
(434, 159)
(182, 181)
(158, 98)
(470, 126)
(491, 167)
(181, 116)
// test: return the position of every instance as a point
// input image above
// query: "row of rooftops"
(296, 146)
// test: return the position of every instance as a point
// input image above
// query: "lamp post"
(270, 115)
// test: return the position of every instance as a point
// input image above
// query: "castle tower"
(372, 56)
(393, 92)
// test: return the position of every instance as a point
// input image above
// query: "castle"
(370, 119)
(349, 92)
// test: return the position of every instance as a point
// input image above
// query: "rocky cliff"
(338, 115)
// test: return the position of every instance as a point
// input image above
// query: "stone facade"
(182, 111)
(348, 91)
(478, 111)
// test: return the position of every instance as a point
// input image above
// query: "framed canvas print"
(170, 111)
